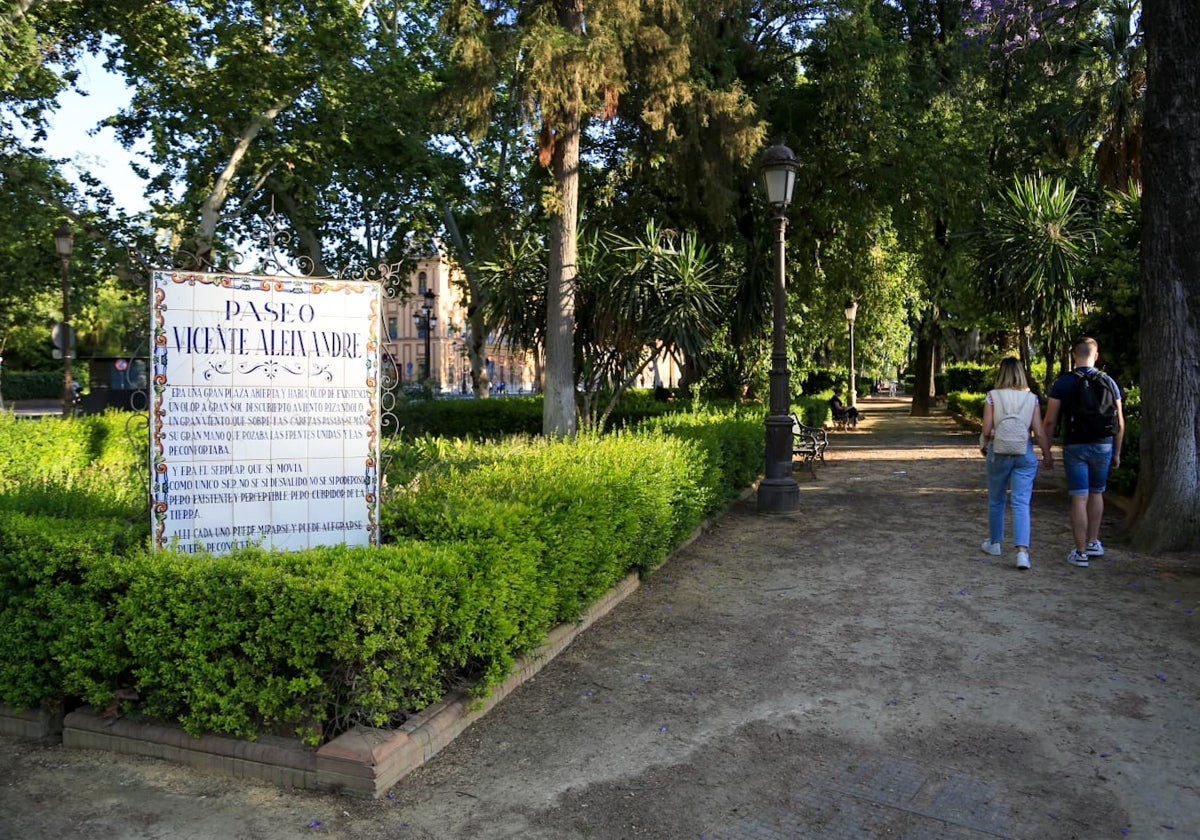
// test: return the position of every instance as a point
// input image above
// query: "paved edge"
(363, 762)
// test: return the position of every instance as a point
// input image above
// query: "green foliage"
(92, 452)
(1123, 480)
(38, 385)
(48, 599)
(481, 419)
(495, 418)
(969, 377)
(1112, 281)
(814, 410)
(1034, 238)
(966, 403)
(820, 380)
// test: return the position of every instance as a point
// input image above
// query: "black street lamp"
(466, 363)
(778, 491)
(851, 311)
(425, 318)
(64, 244)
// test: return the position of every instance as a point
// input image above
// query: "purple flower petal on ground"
(662, 729)
(589, 694)
(1124, 830)
(1160, 677)
(391, 795)
(314, 823)
(1106, 755)
(1100, 656)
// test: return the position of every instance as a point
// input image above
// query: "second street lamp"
(425, 319)
(778, 491)
(851, 311)
(64, 244)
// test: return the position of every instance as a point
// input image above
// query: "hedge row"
(485, 549)
(36, 385)
(501, 416)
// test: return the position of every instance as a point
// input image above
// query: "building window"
(422, 282)
(391, 327)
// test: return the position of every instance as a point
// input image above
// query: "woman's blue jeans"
(1011, 476)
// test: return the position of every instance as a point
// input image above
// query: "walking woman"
(1010, 413)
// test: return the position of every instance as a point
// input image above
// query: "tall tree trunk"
(927, 338)
(558, 416)
(1167, 513)
(558, 413)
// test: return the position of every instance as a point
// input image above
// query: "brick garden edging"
(33, 725)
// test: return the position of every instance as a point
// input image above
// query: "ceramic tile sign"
(264, 412)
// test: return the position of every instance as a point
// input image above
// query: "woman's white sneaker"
(1094, 549)
(1022, 560)
(991, 548)
(1077, 558)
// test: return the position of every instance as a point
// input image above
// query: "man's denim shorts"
(1086, 466)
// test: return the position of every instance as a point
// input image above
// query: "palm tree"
(1112, 83)
(1032, 240)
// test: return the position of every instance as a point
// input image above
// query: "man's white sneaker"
(991, 548)
(1077, 558)
(1022, 560)
(1094, 549)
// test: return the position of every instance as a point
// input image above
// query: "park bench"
(808, 443)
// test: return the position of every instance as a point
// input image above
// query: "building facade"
(447, 366)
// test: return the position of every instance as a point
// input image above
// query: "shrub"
(967, 376)
(814, 410)
(36, 385)
(966, 404)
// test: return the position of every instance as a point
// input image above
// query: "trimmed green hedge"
(966, 404)
(498, 417)
(486, 548)
(36, 385)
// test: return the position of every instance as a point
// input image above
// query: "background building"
(405, 342)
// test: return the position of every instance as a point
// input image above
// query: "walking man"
(1089, 403)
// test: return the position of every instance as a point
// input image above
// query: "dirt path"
(858, 669)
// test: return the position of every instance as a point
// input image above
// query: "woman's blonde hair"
(1012, 375)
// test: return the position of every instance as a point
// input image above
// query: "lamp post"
(851, 311)
(64, 244)
(425, 318)
(466, 364)
(778, 491)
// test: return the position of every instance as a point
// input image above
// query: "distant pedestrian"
(1089, 404)
(1010, 413)
(843, 416)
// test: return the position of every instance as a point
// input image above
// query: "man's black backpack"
(1092, 415)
